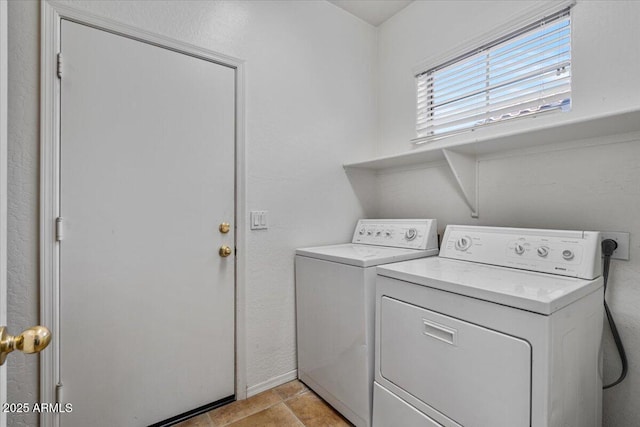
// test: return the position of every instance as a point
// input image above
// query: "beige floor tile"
(276, 416)
(242, 408)
(290, 389)
(199, 421)
(315, 412)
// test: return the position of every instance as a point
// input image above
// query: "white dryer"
(503, 329)
(335, 306)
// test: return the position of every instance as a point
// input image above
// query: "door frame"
(52, 13)
(4, 163)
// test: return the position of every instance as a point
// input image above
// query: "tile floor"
(291, 404)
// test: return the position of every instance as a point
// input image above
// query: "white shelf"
(461, 151)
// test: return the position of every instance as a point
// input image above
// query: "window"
(523, 73)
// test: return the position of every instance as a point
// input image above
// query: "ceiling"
(375, 12)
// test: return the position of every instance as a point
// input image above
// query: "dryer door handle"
(440, 332)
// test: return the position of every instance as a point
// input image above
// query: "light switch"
(259, 220)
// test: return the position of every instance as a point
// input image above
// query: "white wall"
(310, 87)
(592, 185)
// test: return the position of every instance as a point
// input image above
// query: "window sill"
(461, 153)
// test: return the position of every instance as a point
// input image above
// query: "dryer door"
(473, 375)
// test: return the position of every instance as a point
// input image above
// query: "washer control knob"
(378, 233)
(369, 232)
(519, 249)
(543, 251)
(387, 233)
(567, 254)
(362, 231)
(463, 243)
(411, 234)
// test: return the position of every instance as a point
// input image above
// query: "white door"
(147, 177)
(3, 194)
(32, 340)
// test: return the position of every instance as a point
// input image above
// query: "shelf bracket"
(465, 170)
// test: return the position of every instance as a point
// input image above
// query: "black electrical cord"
(608, 246)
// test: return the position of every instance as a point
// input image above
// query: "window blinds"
(523, 73)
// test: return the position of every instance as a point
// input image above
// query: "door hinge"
(59, 69)
(59, 229)
(59, 393)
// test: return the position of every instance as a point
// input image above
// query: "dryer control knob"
(543, 251)
(361, 232)
(567, 254)
(519, 249)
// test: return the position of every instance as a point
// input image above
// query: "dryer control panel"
(398, 233)
(566, 253)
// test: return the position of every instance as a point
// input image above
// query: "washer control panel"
(566, 253)
(397, 233)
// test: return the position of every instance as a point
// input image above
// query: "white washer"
(335, 305)
(503, 329)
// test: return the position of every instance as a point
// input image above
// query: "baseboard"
(271, 383)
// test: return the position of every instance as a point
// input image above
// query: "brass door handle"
(225, 251)
(32, 340)
(224, 227)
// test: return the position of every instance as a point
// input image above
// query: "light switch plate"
(622, 239)
(258, 220)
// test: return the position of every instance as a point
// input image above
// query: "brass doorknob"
(225, 251)
(224, 227)
(32, 340)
